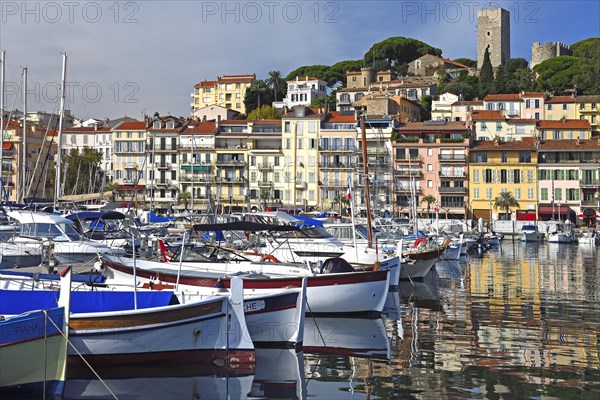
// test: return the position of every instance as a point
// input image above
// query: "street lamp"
(559, 212)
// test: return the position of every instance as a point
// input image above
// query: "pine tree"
(486, 74)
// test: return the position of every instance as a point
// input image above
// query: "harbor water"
(521, 321)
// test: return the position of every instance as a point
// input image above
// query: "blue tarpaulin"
(309, 221)
(155, 218)
(14, 302)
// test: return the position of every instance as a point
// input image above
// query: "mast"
(2, 62)
(295, 170)
(23, 182)
(57, 191)
(363, 130)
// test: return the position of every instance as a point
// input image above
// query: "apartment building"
(588, 107)
(226, 91)
(129, 159)
(302, 91)
(564, 129)
(560, 107)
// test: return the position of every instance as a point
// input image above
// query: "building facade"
(227, 91)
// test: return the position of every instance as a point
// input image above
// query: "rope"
(84, 360)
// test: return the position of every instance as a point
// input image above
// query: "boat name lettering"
(254, 305)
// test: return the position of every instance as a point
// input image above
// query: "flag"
(348, 193)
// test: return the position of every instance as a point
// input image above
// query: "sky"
(136, 57)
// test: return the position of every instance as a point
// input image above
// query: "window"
(155, 125)
(476, 176)
(544, 194)
(489, 175)
(483, 126)
(503, 176)
(429, 152)
(488, 193)
(527, 103)
(299, 143)
(524, 156)
(556, 135)
(252, 160)
(429, 167)
(517, 176)
(549, 106)
(476, 193)
(312, 142)
(498, 126)
(480, 157)
(557, 194)
(517, 194)
(429, 184)
(288, 143)
(565, 106)
(504, 157)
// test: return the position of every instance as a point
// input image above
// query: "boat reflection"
(346, 337)
(422, 294)
(279, 374)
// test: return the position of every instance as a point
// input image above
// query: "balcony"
(131, 165)
(337, 149)
(166, 147)
(265, 166)
(230, 162)
(128, 181)
(415, 159)
(301, 185)
(163, 182)
(162, 165)
(588, 183)
(406, 189)
(404, 173)
(265, 184)
(458, 175)
(228, 179)
(332, 184)
(376, 151)
(589, 203)
(334, 165)
(456, 190)
(452, 157)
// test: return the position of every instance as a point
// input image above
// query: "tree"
(501, 83)
(257, 95)
(514, 64)
(264, 112)
(589, 55)
(523, 79)
(467, 61)
(327, 102)
(184, 198)
(265, 196)
(82, 171)
(277, 84)
(429, 199)
(398, 51)
(486, 75)
(504, 202)
(426, 102)
(114, 190)
(462, 89)
(557, 74)
(585, 47)
(316, 71)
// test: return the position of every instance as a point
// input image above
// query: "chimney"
(306, 78)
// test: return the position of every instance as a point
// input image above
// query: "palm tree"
(265, 196)
(114, 190)
(429, 199)
(505, 201)
(597, 198)
(277, 83)
(185, 198)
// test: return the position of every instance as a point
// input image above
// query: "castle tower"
(493, 32)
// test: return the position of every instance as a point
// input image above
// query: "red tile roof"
(522, 121)
(203, 127)
(448, 61)
(468, 103)
(561, 99)
(570, 144)
(266, 122)
(565, 124)
(131, 125)
(594, 98)
(336, 117)
(484, 115)
(422, 126)
(503, 97)
(11, 123)
(205, 83)
(527, 143)
(304, 79)
(234, 122)
(236, 78)
(533, 94)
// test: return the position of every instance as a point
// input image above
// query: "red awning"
(132, 187)
(7, 146)
(547, 210)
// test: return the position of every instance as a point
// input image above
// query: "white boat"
(530, 233)
(42, 229)
(562, 233)
(493, 239)
(588, 237)
(328, 293)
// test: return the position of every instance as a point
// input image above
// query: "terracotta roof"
(236, 78)
(468, 103)
(447, 60)
(266, 122)
(569, 144)
(206, 83)
(234, 122)
(503, 97)
(86, 129)
(564, 124)
(422, 126)
(522, 121)
(527, 143)
(561, 99)
(533, 94)
(203, 127)
(594, 98)
(310, 113)
(131, 125)
(481, 115)
(336, 117)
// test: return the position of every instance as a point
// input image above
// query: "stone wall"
(542, 52)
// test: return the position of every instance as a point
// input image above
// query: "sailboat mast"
(363, 130)
(57, 191)
(2, 62)
(24, 152)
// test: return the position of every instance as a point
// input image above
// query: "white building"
(441, 108)
(302, 92)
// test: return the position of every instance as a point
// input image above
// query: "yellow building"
(300, 139)
(497, 167)
(564, 129)
(227, 91)
(588, 107)
(129, 158)
(559, 107)
(38, 143)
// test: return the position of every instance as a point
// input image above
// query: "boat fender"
(269, 258)
(419, 241)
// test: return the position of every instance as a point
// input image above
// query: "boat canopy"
(95, 215)
(244, 226)
(306, 221)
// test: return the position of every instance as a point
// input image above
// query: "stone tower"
(493, 32)
(542, 52)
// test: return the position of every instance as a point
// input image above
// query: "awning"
(132, 187)
(7, 146)
(547, 210)
(196, 168)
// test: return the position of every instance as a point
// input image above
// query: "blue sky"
(133, 56)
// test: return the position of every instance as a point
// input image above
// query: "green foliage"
(460, 89)
(264, 112)
(514, 64)
(337, 72)
(327, 102)
(316, 71)
(587, 81)
(467, 61)
(257, 95)
(505, 201)
(471, 80)
(82, 171)
(114, 190)
(184, 198)
(398, 51)
(523, 79)
(586, 48)
(557, 74)
(277, 84)
(429, 199)
(486, 75)
(426, 102)
(501, 82)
